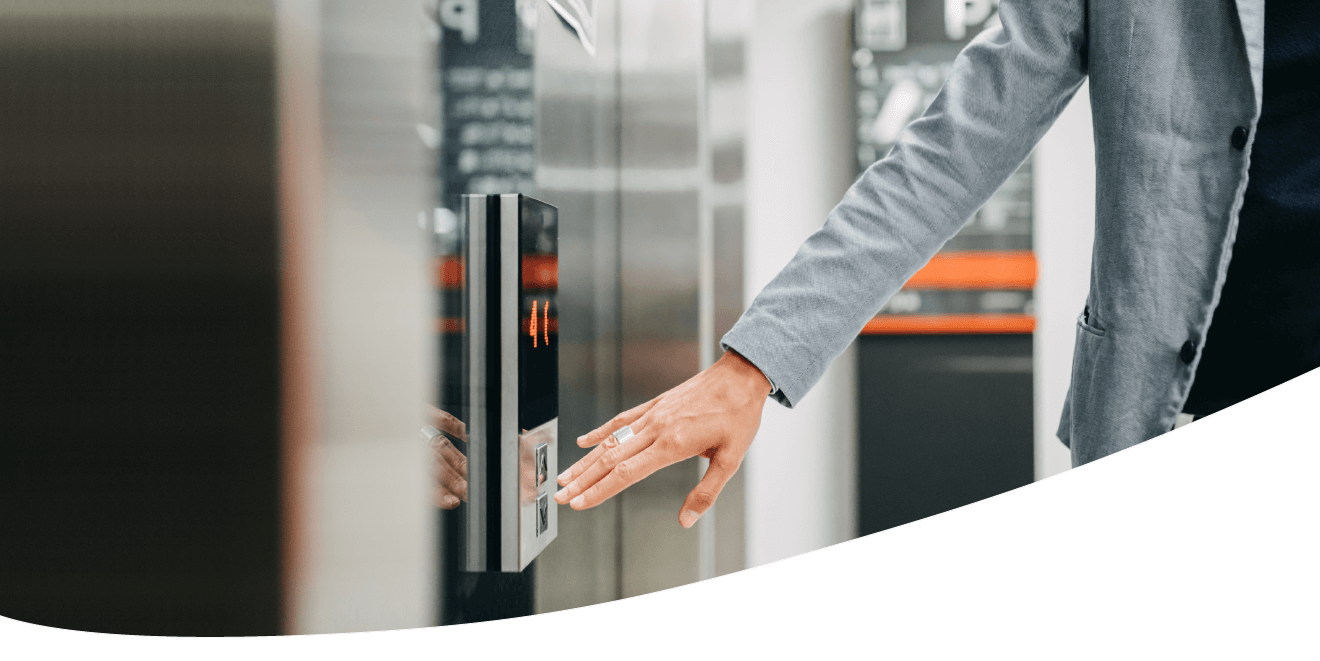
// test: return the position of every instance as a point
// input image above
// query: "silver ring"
(430, 433)
(623, 434)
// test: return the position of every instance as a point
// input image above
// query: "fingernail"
(688, 517)
(450, 501)
(559, 496)
(563, 477)
(582, 439)
(577, 503)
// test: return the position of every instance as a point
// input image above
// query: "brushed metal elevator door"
(577, 170)
(625, 150)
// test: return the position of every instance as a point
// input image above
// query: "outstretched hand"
(714, 414)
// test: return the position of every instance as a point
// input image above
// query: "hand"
(714, 414)
(450, 464)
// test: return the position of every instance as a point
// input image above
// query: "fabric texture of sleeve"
(1004, 91)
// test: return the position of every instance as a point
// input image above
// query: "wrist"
(756, 382)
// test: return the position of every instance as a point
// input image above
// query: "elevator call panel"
(503, 377)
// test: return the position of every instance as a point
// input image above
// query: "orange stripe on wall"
(1008, 269)
(539, 272)
(949, 324)
(450, 325)
(977, 270)
(448, 273)
(1015, 269)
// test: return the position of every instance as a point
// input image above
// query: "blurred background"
(220, 267)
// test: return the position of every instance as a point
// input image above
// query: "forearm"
(1004, 91)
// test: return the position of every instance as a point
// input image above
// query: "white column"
(801, 489)
(1064, 212)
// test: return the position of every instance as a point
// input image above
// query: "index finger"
(450, 454)
(448, 423)
(627, 473)
(577, 469)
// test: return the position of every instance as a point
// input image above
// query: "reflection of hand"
(714, 414)
(450, 464)
(527, 443)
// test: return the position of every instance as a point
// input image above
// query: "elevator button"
(542, 513)
(542, 464)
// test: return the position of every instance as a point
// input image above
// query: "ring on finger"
(605, 462)
(430, 433)
(619, 437)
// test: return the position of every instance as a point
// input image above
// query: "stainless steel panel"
(510, 304)
(532, 537)
(662, 159)
(522, 531)
(651, 269)
(474, 248)
(577, 147)
(728, 23)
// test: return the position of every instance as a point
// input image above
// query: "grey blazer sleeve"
(1005, 89)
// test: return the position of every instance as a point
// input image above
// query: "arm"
(1005, 89)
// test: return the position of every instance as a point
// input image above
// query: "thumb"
(707, 490)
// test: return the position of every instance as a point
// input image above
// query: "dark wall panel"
(943, 421)
(139, 319)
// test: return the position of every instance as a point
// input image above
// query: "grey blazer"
(1171, 82)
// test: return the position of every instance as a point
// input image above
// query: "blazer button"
(1240, 138)
(1188, 352)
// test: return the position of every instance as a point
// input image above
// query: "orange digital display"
(538, 280)
(539, 325)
